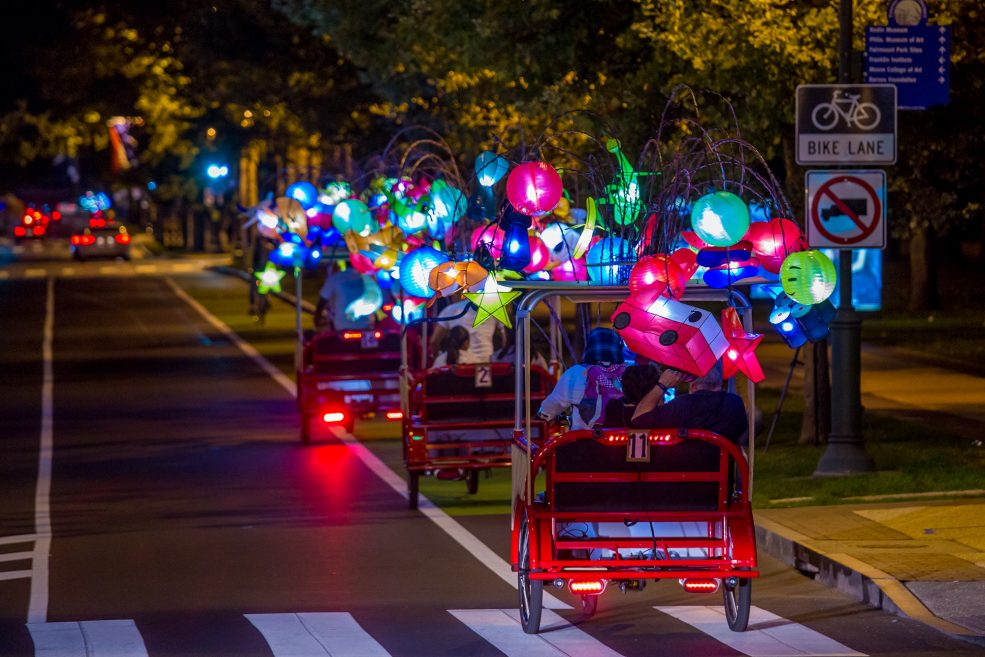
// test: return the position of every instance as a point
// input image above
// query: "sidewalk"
(922, 559)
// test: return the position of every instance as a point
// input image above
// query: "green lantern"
(808, 277)
(720, 218)
(352, 214)
(624, 194)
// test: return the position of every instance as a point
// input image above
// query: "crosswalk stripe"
(336, 634)
(558, 638)
(106, 638)
(768, 635)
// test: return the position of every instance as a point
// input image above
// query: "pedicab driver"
(342, 287)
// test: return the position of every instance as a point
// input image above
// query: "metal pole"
(297, 319)
(845, 453)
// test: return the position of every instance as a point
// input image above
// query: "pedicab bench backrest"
(671, 488)
(330, 353)
(450, 394)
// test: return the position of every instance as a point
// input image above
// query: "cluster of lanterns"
(419, 239)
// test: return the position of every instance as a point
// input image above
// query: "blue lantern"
(725, 275)
(609, 261)
(790, 331)
(516, 241)
(720, 218)
(490, 168)
(415, 268)
(304, 193)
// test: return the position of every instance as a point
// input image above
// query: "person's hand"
(671, 378)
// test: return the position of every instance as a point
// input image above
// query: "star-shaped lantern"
(492, 301)
(268, 280)
(741, 353)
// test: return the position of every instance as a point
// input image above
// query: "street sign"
(846, 124)
(846, 209)
(914, 58)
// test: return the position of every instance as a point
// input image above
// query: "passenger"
(507, 353)
(706, 407)
(341, 287)
(637, 380)
(462, 313)
(455, 349)
(602, 348)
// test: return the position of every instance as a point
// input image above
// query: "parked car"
(112, 242)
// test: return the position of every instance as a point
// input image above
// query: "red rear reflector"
(19, 231)
(700, 585)
(394, 415)
(352, 335)
(333, 417)
(587, 586)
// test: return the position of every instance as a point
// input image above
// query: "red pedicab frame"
(535, 547)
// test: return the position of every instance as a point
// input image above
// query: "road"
(186, 518)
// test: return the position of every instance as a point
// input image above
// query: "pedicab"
(618, 507)
(458, 419)
(345, 374)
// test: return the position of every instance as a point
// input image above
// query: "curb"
(845, 573)
(307, 306)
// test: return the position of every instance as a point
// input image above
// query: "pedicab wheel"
(472, 482)
(589, 605)
(413, 489)
(305, 429)
(531, 591)
(738, 602)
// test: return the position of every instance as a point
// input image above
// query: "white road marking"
(35, 272)
(768, 635)
(183, 266)
(15, 556)
(464, 537)
(110, 269)
(145, 269)
(19, 538)
(558, 637)
(335, 634)
(105, 638)
(14, 574)
(67, 271)
(37, 611)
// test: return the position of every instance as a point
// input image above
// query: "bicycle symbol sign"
(846, 124)
(846, 209)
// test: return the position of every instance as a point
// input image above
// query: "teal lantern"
(720, 218)
(352, 214)
(489, 168)
(808, 277)
(448, 203)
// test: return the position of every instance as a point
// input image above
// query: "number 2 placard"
(483, 376)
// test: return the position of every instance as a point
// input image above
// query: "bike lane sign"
(846, 124)
(846, 209)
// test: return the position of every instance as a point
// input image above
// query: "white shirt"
(480, 337)
(464, 358)
(340, 289)
(567, 393)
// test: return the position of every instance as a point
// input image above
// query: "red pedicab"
(348, 373)
(626, 505)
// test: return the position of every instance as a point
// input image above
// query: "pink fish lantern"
(361, 263)
(687, 260)
(570, 270)
(774, 240)
(669, 332)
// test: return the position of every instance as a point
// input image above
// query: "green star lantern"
(492, 302)
(269, 279)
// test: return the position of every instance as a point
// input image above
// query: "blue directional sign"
(915, 58)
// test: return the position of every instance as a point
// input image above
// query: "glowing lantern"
(686, 259)
(570, 270)
(516, 241)
(491, 235)
(448, 204)
(624, 193)
(268, 280)
(534, 188)
(411, 311)
(415, 268)
(741, 353)
(304, 193)
(370, 301)
(490, 168)
(539, 255)
(352, 214)
(585, 239)
(725, 275)
(607, 261)
(808, 276)
(289, 253)
(492, 302)
(292, 215)
(450, 277)
(361, 263)
(658, 269)
(561, 241)
(774, 240)
(669, 332)
(720, 218)
(268, 223)
(334, 193)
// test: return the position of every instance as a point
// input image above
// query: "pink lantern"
(361, 263)
(570, 270)
(534, 188)
(687, 260)
(774, 240)
(539, 255)
(669, 332)
(693, 240)
(491, 235)
(741, 353)
(659, 269)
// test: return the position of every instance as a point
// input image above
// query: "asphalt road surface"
(186, 518)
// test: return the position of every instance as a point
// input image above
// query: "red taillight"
(88, 239)
(39, 230)
(122, 238)
(352, 335)
(97, 223)
(56, 215)
(701, 585)
(333, 417)
(19, 231)
(76, 240)
(394, 415)
(377, 335)
(587, 587)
